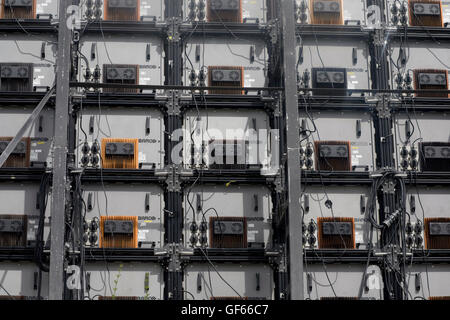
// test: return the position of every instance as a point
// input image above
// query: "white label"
(142, 157)
(359, 237)
(142, 235)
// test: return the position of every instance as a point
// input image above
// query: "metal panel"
(346, 202)
(251, 9)
(119, 49)
(354, 10)
(423, 127)
(19, 48)
(149, 8)
(11, 120)
(356, 127)
(21, 199)
(219, 51)
(131, 280)
(241, 277)
(226, 125)
(129, 200)
(233, 201)
(19, 280)
(130, 123)
(45, 7)
(445, 10)
(342, 281)
(335, 53)
(424, 281)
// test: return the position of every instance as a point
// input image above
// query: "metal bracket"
(173, 30)
(173, 103)
(382, 105)
(173, 180)
(389, 187)
(176, 255)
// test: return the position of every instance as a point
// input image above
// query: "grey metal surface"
(240, 280)
(342, 281)
(353, 10)
(119, 49)
(346, 203)
(251, 9)
(124, 122)
(227, 51)
(18, 279)
(432, 280)
(58, 199)
(362, 146)
(293, 178)
(336, 53)
(131, 280)
(232, 201)
(129, 200)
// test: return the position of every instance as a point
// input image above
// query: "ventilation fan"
(226, 77)
(120, 74)
(333, 155)
(20, 156)
(224, 11)
(434, 156)
(18, 9)
(329, 78)
(425, 13)
(336, 233)
(13, 230)
(326, 12)
(122, 10)
(228, 232)
(437, 233)
(120, 153)
(118, 232)
(16, 77)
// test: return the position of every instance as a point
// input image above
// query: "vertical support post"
(60, 149)
(293, 174)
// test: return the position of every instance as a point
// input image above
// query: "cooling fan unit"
(224, 11)
(122, 10)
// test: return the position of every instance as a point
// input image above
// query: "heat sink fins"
(20, 157)
(439, 298)
(425, 13)
(120, 74)
(228, 232)
(225, 76)
(13, 230)
(122, 10)
(336, 233)
(337, 298)
(437, 233)
(229, 298)
(333, 155)
(120, 160)
(113, 236)
(326, 12)
(224, 11)
(431, 79)
(17, 11)
(117, 298)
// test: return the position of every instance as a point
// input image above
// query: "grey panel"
(232, 201)
(129, 200)
(19, 280)
(119, 49)
(251, 9)
(347, 202)
(356, 127)
(353, 10)
(336, 53)
(424, 281)
(130, 123)
(342, 281)
(48, 7)
(217, 51)
(131, 280)
(203, 282)
(12, 119)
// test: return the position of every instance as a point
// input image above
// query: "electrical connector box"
(135, 281)
(142, 203)
(227, 216)
(355, 128)
(415, 133)
(205, 53)
(332, 12)
(145, 54)
(220, 139)
(342, 282)
(123, 10)
(147, 126)
(345, 62)
(246, 282)
(345, 205)
(20, 279)
(237, 11)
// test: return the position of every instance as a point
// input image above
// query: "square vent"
(425, 13)
(434, 156)
(225, 77)
(16, 77)
(326, 12)
(18, 9)
(437, 233)
(120, 153)
(122, 10)
(228, 232)
(120, 74)
(118, 232)
(20, 157)
(329, 78)
(13, 230)
(336, 233)
(224, 11)
(429, 79)
(333, 155)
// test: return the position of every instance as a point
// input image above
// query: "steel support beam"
(293, 176)
(60, 150)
